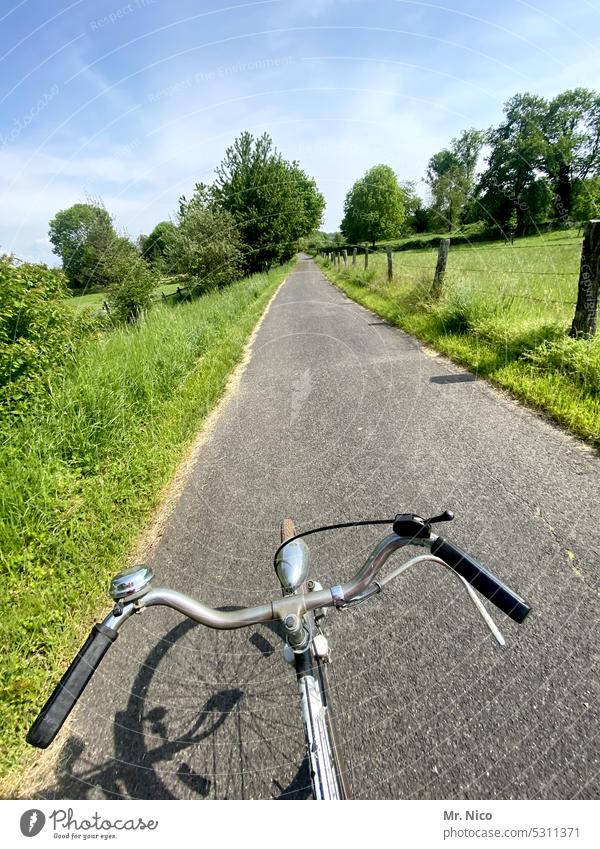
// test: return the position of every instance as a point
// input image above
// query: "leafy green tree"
(515, 165)
(451, 178)
(206, 244)
(586, 201)
(314, 243)
(130, 281)
(374, 208)
(419, 221)
(156, 247)
(572, 130)
(540, 153)
(80, 235)
(274, 203)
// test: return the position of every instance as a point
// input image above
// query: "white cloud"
(337, 114)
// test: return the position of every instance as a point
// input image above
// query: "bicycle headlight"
(292, 565)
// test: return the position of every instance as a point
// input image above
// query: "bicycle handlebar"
(71, 686)
(481, 579)
(415, 531)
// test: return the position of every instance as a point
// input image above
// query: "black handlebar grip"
(481, 579)
(71, 686)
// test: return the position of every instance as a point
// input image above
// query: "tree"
(515, 165)
(79, 235)
(374, 207)
(156, 247)
(572, 130)
(586, 200)
(206, 244)
(451, 177)
(274, 203)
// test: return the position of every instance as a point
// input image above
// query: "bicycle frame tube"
(319, 743)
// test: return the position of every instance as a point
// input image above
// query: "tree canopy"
(540, 155)
(156, 246)
(273, 202)
(451, 177)
(79, 236)
(374, 208)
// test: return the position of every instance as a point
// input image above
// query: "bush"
(38, 331)
(130, 281)
(206, 245)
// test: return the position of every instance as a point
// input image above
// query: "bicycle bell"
(292, 565)
(131, 583)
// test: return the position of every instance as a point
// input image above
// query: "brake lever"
(431, 558)
(484, 613)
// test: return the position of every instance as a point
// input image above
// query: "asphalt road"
(339, 416)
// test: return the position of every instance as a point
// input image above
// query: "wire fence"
(400, 266)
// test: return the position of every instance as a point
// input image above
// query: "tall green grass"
(504, 313)
(82, 472)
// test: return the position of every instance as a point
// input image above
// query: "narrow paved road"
(339, 416)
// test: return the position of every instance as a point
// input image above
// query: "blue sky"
(136, 101)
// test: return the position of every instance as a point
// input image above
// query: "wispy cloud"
(148, 102)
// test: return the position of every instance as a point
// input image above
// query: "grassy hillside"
(504, 312)
(83, 471)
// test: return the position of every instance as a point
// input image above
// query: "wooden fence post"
(586, 311)
(345, 257)
(440, 268)
(366, 258)
(353, 256)
(390, 267)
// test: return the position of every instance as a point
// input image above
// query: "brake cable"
(446, 516)
(333, 528)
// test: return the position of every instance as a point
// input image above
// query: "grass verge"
(504, 313)
(83, 473)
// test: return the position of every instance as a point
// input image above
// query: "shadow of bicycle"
(164, 747)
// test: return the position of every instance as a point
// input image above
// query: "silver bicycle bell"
(131, 583)
(292, 565)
